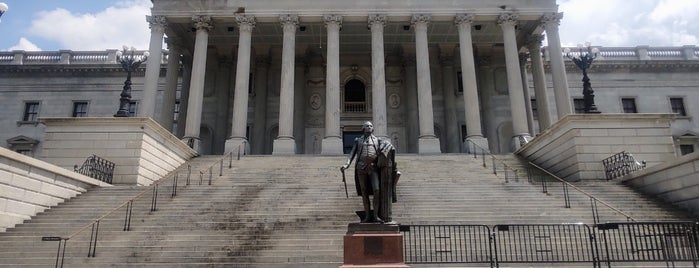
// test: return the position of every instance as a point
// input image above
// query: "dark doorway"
(348, 140)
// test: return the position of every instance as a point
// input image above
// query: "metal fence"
(621, 164)
(97, 168)
(602, 244)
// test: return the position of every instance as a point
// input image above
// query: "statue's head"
(368, 127)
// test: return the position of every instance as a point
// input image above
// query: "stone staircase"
(277, 211)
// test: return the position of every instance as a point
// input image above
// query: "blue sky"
(109, 24)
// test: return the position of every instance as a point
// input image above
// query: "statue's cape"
(386, 162)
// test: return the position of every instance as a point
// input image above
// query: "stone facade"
(430, 74)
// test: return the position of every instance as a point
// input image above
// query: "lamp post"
(3, 8)
(130, 62)
(585, 55)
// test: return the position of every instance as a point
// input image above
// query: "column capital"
(534, 41)
(332, 19)
(156, 21)
(508, 19)
(377, 19)
(203, 23)
(246, 23)
(287, 19)
(463, 19)
(551, 18)
(418, 19)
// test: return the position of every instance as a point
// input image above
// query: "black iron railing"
(97, 168)
(602, 244)
(621, 164)
(507, 171)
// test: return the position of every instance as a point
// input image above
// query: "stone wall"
(573, 148)
(675, 181)
(142, 150)
(29, 186)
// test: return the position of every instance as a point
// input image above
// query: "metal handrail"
(594, 200)
(494, 159)
(94, 224)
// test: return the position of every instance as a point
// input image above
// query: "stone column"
(378, 76)
(558, 68)
(542, 99)
(167, 111)
(474, 132)
(242, 82)
(259, 133)
(285, 144)
(150, 88)
(514, 81)
(196, 90)
(184, 94)
(332, 142)
(428, 143)
(451, 123)
(523, 57)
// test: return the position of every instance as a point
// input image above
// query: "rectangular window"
(686, 149)
(31, 111)
(677, 105)
(579, 105)
(629, 105)
(463, 133)
(132, 108)
(80, 109)
(535, 109)
(459, 82)
(251, 86)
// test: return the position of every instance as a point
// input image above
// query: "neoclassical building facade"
(300, 77)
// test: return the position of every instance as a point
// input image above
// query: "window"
(31, 111)
(464, 134)
(80, 109)
(535, 109)
(251, 85)
(686, 149)
(460, 82)
(355, 97)
(629, 105)
(677, 105)
(132, 108)
(579, 105)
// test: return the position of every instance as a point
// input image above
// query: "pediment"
(21, 139)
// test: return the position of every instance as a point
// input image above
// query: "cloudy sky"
(103, 24)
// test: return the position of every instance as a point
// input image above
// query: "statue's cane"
(342, 169)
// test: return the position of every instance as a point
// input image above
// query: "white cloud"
(124, 23)
(622, 23)
(24, 44)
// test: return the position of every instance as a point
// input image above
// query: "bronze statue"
(375, 174)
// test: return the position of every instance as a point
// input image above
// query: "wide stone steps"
(276, 211)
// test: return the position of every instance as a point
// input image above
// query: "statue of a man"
(375, 174)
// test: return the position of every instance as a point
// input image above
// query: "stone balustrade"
(689, 52)
(69, 57)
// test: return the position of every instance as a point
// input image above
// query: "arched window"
(355, 97)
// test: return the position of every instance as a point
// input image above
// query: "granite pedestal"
(373, 245)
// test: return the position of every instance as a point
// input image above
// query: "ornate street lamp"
(3, 8)
(585, 55)
(129, 61)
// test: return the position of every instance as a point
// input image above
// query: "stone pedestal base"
(429, 145)
(331, 146)
(284, 146)
(236, 145)
(480, 141)
(373, 245)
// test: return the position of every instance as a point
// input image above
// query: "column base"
(520, 140)
(481, 142)
(284, 146)
(193, 142)
(331, 146)
(429, 145)
(237, 145)
(373, 245)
